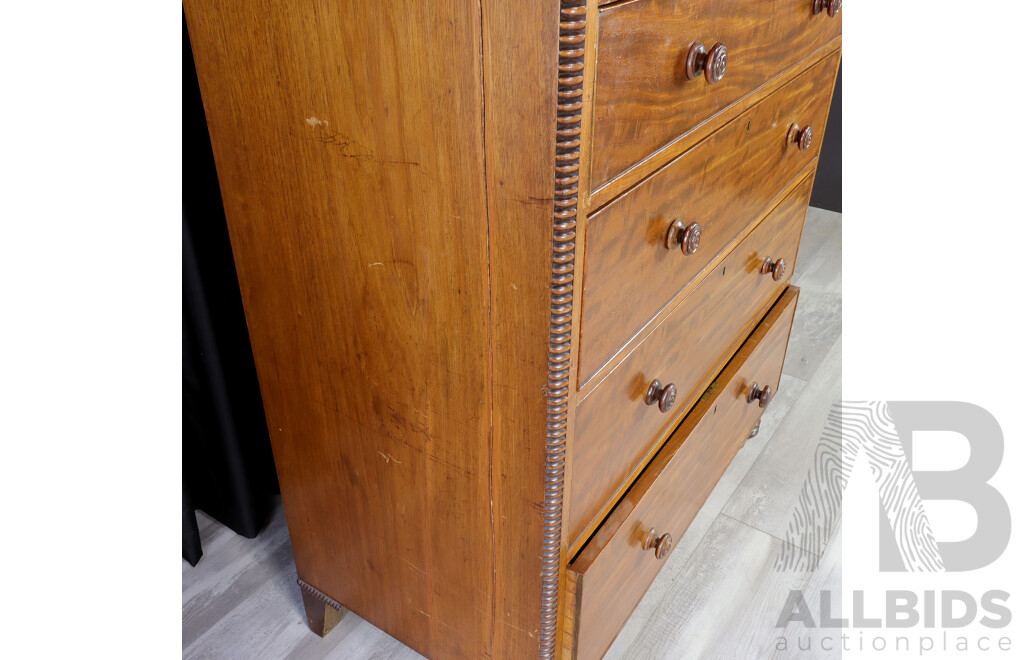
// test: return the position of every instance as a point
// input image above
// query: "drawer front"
(643, 97)
(616, 431)
(722, 184)
(617, 566)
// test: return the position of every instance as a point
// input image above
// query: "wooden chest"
(516, 280)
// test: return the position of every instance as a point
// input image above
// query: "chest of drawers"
(516, 277)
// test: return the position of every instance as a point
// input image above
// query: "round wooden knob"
(665, 397)
(662, 545)
(711, 64)
(763, 395)
(802, 138)
(777, 269)
(687, 237)
(831, 6)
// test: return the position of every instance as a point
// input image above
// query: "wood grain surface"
(723, 183)
(643, 100)
(520, 87)
(614, 569)
(616, 433)
(395, 258)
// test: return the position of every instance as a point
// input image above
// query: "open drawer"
(613, 571)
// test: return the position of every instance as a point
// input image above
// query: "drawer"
(643, 97)
(722, 185)
(616, 567)
(616, 430)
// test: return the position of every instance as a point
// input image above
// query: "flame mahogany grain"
(722, 183)
(643, 99)
(616, 433)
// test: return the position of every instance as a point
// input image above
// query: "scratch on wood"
(400, 262)
(514, 627)
(449, 464)
(388, 457)
(414, 567)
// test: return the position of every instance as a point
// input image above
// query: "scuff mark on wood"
(344, 143)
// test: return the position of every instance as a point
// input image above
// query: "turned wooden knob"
(665, 397)
(661, 544)
(763, 395)
(802, 138)
(687, 237)
(777, 269)
(831, 6)
(712, 63)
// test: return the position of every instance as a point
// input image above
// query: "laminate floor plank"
(819, 264)
(823, 270)
(223, 592)
(205, 523)
(803, 643)
(224, 552)
(818, 273)
(770, 491)
(816, 327)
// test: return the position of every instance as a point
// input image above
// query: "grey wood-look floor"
(719, 594)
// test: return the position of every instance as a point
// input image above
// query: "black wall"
(828, 185)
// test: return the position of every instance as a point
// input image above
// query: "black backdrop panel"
(828, 184)
(227, 465)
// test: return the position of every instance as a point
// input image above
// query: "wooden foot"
(322, 612)
(754, 431)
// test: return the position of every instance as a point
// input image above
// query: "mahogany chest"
(516, 276)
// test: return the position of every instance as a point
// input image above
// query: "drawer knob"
(777, 269)
(687, 237)
(661, 544)
(763, 395)
(665, 397)
(831, 6)
(711, 64)
(802, 138)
